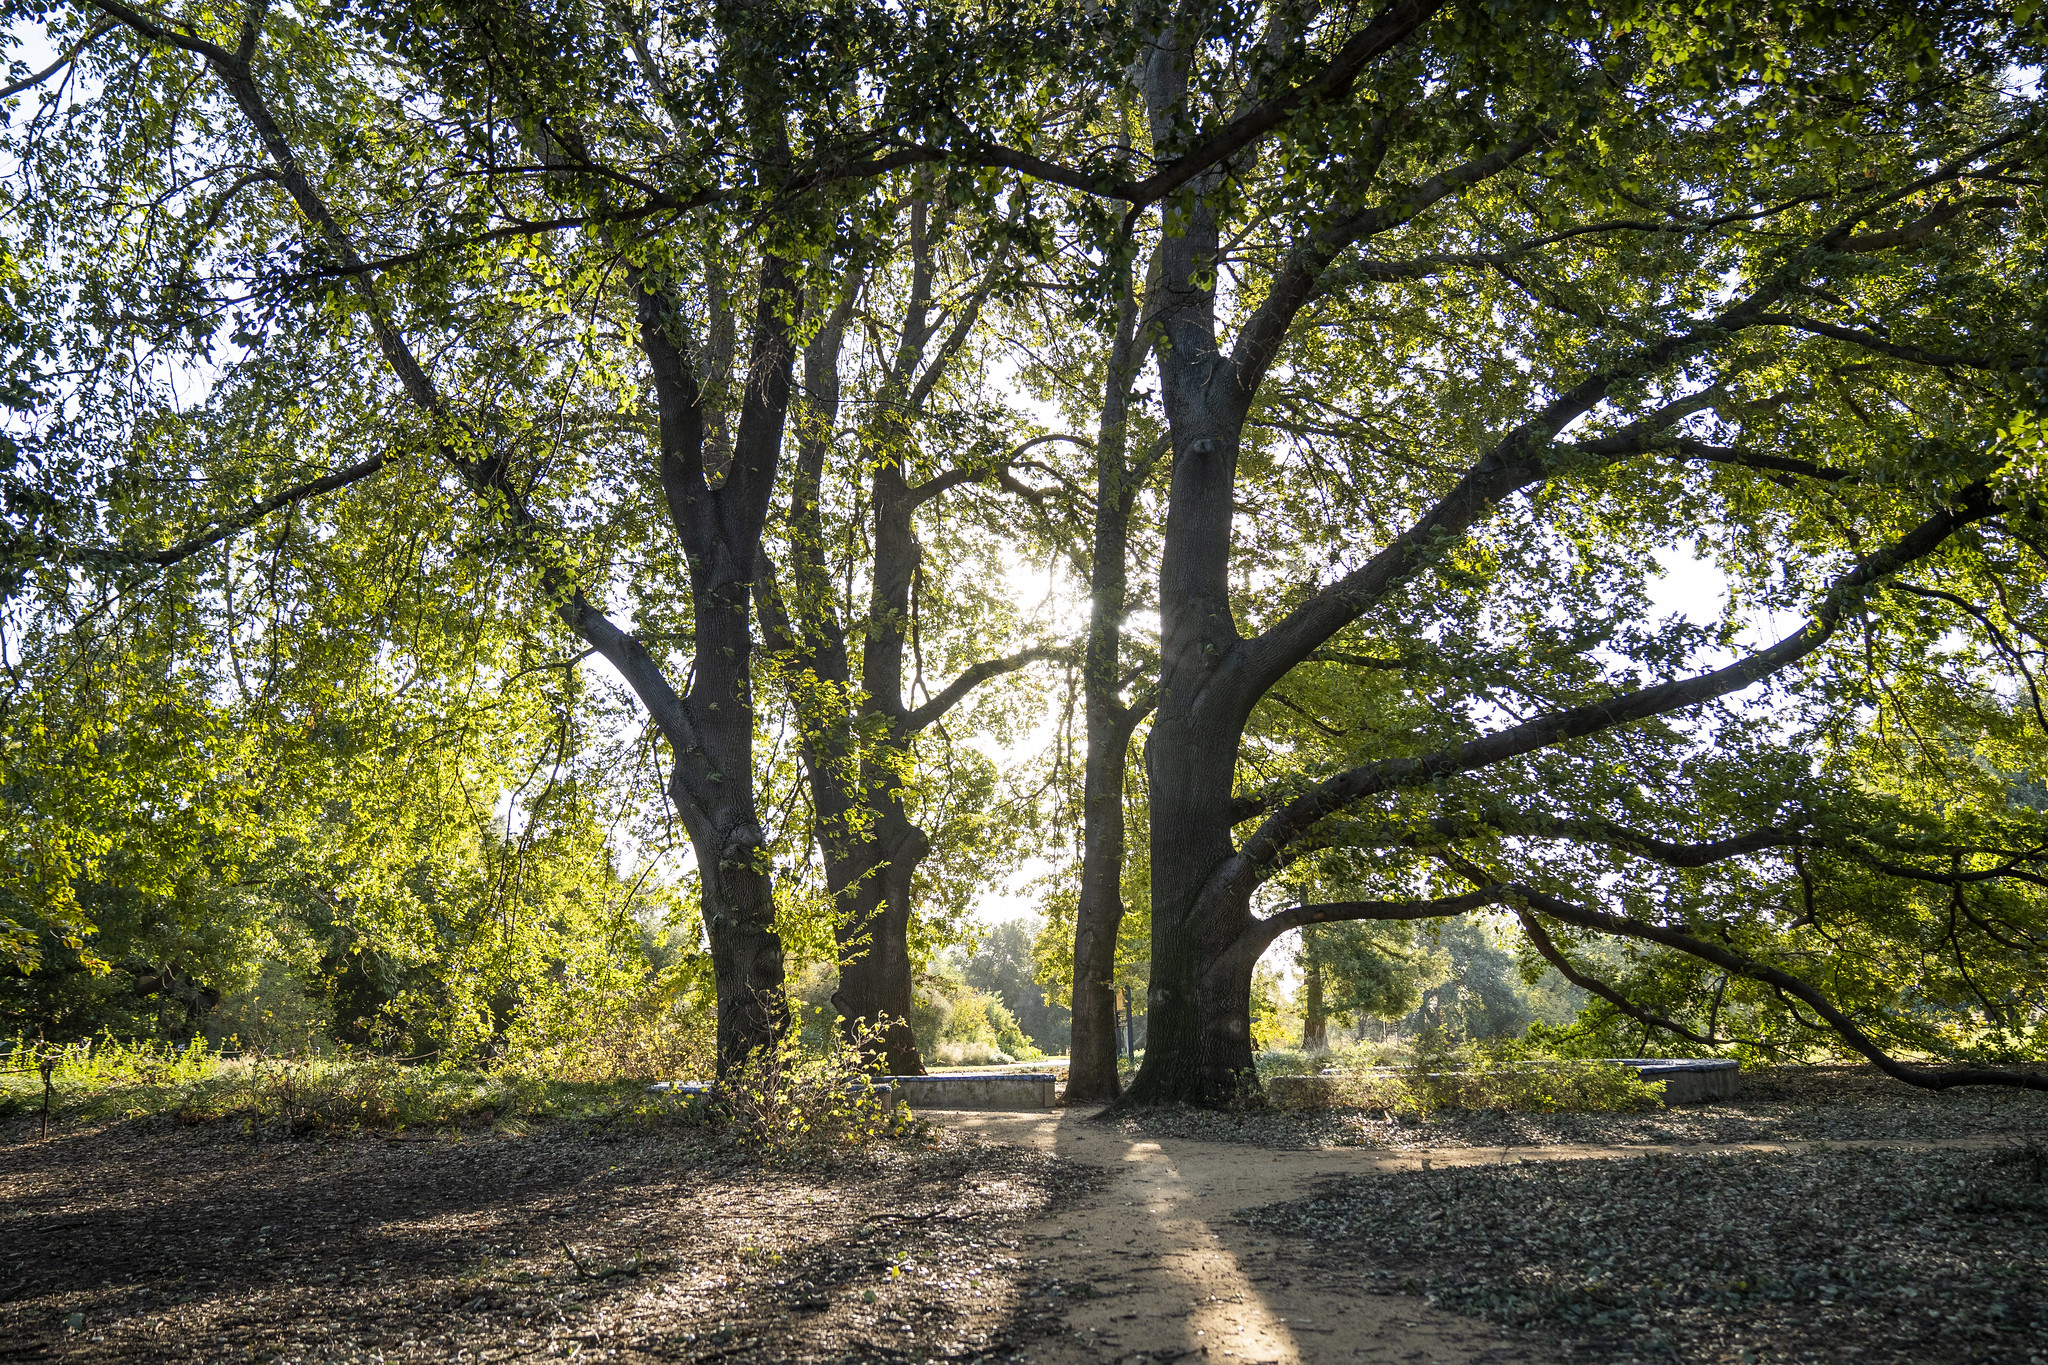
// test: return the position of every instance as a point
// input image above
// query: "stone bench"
(1688, 1080)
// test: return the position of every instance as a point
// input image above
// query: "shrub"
(110, 1080)
(794, 1106)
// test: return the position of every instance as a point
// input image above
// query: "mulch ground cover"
(154, 1241)
(1842, 1255)
(1802, 1104)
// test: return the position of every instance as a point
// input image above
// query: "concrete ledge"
(976, 1090)
(1688, 1080)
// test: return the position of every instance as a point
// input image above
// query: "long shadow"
(172, 1243)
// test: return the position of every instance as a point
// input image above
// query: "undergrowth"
(784, 1105)
(110, 1081)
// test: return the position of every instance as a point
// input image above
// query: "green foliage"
(791, 1105)
(111, 1081)
(1482, 988)
(1792, 261)
(1271, 1023)
(957, 1023)
(1373, 969)
(1002, 965)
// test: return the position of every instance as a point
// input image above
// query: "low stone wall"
(976, 1090)
(1687, 1080)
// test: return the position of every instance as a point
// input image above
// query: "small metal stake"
(46, 1064)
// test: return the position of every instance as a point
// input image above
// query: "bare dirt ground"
(1790, 1105)
(1053, 1238)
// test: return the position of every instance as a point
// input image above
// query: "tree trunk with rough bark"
(1092, 1074)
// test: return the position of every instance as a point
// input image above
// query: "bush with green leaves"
(107, 1080)
(792, 1105)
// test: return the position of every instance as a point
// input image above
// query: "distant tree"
(1482, 987)
(1364, 968)
(1002, 965)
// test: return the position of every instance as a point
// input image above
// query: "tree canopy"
(1579, 464)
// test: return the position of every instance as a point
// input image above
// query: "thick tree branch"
(1388, 30)
(1517, 461)
(1295, 284)
(1691, 448)
(1265, 930)
(1973, 504)
(1921, 228)
(1594, 986)
(112, 556)
(1741, 964)
(992, 471)
(914, 721)
(1871, 342)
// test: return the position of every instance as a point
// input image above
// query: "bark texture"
(1092, 1074)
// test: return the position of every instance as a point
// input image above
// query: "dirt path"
(1156, 1267)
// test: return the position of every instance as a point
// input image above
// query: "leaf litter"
(1844, 1254)
(152, 1241)
(1779, 1104)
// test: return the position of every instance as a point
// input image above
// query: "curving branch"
(1870, 341)
(1519, 460)
(1692, 448)
(1265, 846)
(1593, 985)
(1264, 931)
(997, 471)
(66, 58)
(119, 556)
(488, 477)
(954, 692)
(1909, 234)
(1741, 964)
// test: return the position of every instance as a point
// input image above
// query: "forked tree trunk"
(1199, 1044)
(871, 887)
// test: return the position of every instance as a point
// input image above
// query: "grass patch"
(113, 1081)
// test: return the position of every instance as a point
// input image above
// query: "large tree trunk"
(1199, 1046)
(871, 886)
(719, 515)
(1198, 1027)
(1092, 1073)
(738, 906)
